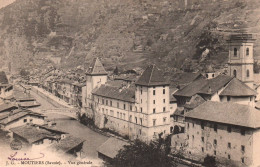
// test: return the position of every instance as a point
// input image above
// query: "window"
(235, 73)
(242, 131)
(202, 149)
(153, 92)
(247, 51)
(229, 129)
(215, 127)
(141, 109)
(141, 121)
(202, 125)
(229, 157)
(235, 52)
(106, 102)
(215, 142)
(98, 100)
(228, 98)
(164, 91)
(188, 125)
(215, 152)
(242, 148)
(141, 91)
(103, 111)
(130, 118)
(188, 136)
(124, 107)
(154, 122)
(117, 104)
(121, 115)
(164, 109)
(153, 101)
(229, 145)
(164, 119)
(202, 139)
(193, 125)
(136, 120)
(131, 108)
(192, 137)
(25, 120)
(111, 103)
(242, 160)
(154, 110)
(31, 120)
(163, 100)
(103, 101)
(117, 114)
(140, 131)
(111, 112)
(247, 73)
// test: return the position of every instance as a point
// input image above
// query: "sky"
(4, 3)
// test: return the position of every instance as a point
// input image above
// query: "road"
(72, 126)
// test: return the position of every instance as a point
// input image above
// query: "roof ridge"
(151, 74)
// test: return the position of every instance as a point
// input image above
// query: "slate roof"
(32, 133)
(111, 147)
(152, 76)
(180, 79)
(227, 113)
(96, 68)
(237, 88)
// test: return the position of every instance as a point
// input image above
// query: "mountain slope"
(126, 33)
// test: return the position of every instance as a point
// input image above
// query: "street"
(72, 126)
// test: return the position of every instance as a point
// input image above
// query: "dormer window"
(235, 52)
(247, 51)
(235, 73)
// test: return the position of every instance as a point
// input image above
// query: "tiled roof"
(124, 94)
(227, 113)
(7, 106)
(184, 78)
(96, 68)
(237, 88)
(19, 114)
(194, 102)
(192, 88)
(204, 86)
(215, 84)
(32, 133)
(111, 147)
(67, 144)
(152, 76)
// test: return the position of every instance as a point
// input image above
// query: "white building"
(137, 111)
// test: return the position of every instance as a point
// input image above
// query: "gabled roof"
(204, 86)
(67, 144)
(116, 92)
(237, 88)
(111, 147)
(215, 84)
(194, 102)
(96, 68)
(152, 76)
(32, 134)
(227, 113)
(7, 107)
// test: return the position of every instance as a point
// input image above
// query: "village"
(211, 113)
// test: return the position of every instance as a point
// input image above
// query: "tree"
(116, 71)
(140, 154)
(209, 161)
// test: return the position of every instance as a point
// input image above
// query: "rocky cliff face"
(174, 34)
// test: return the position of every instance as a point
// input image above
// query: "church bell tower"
(241, 58)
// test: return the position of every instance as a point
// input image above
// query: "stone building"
(139, 110)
